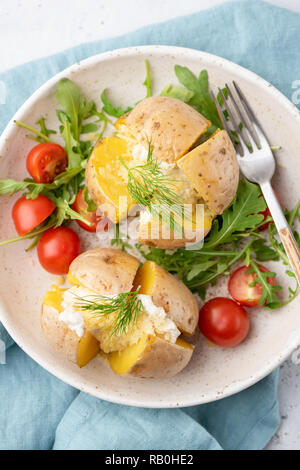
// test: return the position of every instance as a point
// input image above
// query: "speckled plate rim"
(158, 51)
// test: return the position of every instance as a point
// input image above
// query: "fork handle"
(283, 228)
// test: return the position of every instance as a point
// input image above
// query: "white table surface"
(34, 28)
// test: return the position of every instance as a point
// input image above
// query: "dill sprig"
(269, 295)
(151, 188)
(127, 305)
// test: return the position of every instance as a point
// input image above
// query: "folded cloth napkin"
(40, 412)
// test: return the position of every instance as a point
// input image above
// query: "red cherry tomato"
(46, 161)
(224, 322)
(240, 290)
(80, 206)
(29, 213)
(57, 248)
(266, 213)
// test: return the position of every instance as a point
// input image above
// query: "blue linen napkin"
(40, 412)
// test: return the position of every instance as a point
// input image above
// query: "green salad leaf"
(72, 101)
(269, 295)
(110, 109)
(148, 81)
(201, 99)
(178, 92)
(243, 215)
(44, 130)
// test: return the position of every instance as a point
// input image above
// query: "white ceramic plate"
(213, 373)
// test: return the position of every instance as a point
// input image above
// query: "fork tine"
(247, 124)
(243, 143)
(222, 117)
(250, 113)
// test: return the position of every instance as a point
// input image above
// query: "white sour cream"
(70, 315)
(161, 323)
(139, 154)
(165, 166)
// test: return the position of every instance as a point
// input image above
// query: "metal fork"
(257, 162)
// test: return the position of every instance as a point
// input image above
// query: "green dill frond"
(150, 187)
(127, 305)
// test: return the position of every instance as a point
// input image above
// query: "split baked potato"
(151, 347)
(204, 174)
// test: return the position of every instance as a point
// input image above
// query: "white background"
(34, 28)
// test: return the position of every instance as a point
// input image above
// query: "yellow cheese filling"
(111, 176)
(88, 346)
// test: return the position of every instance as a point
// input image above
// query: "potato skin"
(169, 293)
(172, 126)
(213, 171)
(105, 270)
(161, 360)
(144, 237)
(177, 300)
(58, 335)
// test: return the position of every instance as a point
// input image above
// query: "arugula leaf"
(44, 130)
(220, 99)
(76, 111)
(37, 135)
(31, 235)
(269, 298)
(242, 215)
(200, 268)
(71, 99)
(91, 206)
(74, 157)
(64, 178)
(110, 109)
(269, 291)
(178, 92)
(89, 128)
(263, 252)
(12, 186)
(202, 99)
(147, 82)
(62, 116)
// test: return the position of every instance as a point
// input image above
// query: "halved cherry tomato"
(80, 206)
(224, 322)
(266, 213)
(46, 161)
(57, 248)
(240, 290)
(29, 213)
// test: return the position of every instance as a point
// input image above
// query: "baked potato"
(152, 346)
(152, 357)
(213, 171)
(172, 126)
(106, 271)
(79, 350)
(169, 293)
(207, 174)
